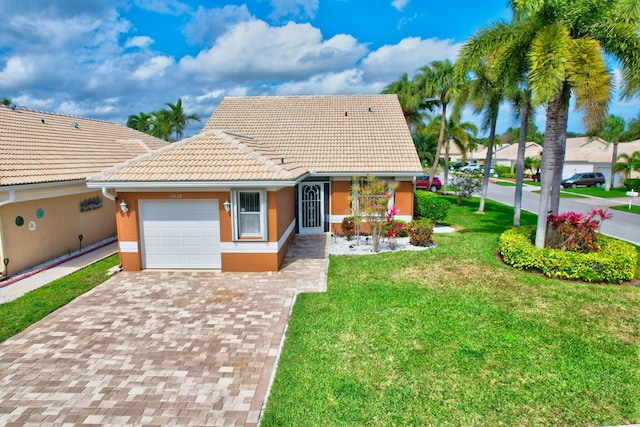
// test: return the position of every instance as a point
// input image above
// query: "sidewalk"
(21, 287)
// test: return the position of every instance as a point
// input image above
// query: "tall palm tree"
(567, 57)
(439, 84)
(461, 134)
(612, 129)
(141, 122)
(178, 119)
(410, 98)
(628, 164)
(161, 124)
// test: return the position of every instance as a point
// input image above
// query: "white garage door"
(180, 234)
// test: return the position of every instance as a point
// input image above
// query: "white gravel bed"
(364, 246)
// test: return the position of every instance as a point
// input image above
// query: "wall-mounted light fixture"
(6, 268)
(124, 207)
(227, 206)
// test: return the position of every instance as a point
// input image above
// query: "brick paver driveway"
(158, 348)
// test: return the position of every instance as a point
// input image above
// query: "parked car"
(423, 181)
(473, 167)
(584, 178)
(457, 165)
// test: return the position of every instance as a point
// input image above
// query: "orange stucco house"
(45, 204)
(262, 170)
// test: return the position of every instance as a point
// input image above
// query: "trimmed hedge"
(501, 170)
(430, 205)
(632, 184)
(615, 262)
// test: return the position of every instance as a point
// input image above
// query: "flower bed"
(614, 262)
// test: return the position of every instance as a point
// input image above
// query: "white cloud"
(154, 68)
(254, 51)
(294, 8)
(85, 109)
(391, 61)
(141, 42)
(345, 82)
(206, 25)
(168, 7)
(399, 4)
(19, 71)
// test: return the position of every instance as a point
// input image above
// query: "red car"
(423, 181)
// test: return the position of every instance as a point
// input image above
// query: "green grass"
(451, 336)
(18, 314)
(505, 183)
(565, 194)
(625, 208)
(599, 192)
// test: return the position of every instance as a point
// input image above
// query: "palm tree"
(5, 101)
(628, 164)
(612, 129)
(425, 144)
(161, 124)
(410, 98)
(461, 134)
(566, 54)
(439, 84)
(141, 122)
(178, 119)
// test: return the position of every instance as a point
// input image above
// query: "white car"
(473, 167)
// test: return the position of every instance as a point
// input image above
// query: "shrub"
(466, 184)
(500, 170)
(508, 175)
(632, 184)
(400, 228)
(614, 262)
(420, 232)
(575, 232)
(348, 227)
(430, 205)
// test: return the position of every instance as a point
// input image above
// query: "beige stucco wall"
(56, 233)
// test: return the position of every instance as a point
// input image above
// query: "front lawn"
(599, 191)
(565, 194)
(18, 314)
(451, 336)
(625, 208)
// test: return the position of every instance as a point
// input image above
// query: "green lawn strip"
(625, 208)
(505, 183)
(599, 192)
(451, 336)
(22, 312)
(565, 194)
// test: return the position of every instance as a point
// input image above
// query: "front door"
(311, 207)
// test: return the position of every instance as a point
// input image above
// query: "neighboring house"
(508, 155)
(45, 204)
(261, 170)
(586, 154)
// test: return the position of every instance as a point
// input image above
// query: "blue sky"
(107, 59)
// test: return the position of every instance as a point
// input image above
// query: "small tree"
(372, 196)
(466, 184)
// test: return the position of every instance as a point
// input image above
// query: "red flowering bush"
(574, 231)
(392, 228)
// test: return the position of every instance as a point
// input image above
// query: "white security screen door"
(311, 207)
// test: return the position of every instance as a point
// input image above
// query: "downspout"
(108, 195)
(11, 199)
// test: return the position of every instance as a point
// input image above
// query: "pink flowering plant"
(392, 227)
(575, 231)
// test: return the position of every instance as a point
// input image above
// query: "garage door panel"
(180, 234)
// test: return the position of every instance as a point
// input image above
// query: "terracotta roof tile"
(208, 156)
(349, 133)
(38, 147)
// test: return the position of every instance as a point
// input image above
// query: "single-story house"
(262, 169)
(586, 154)
(45, 204)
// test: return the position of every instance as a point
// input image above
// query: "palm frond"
(549, 55)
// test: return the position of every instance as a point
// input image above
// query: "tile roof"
(39, 147)
(510, 152)
(333, 134)
(209, 156)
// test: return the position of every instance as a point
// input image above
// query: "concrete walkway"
(159, 348)
(48, 275)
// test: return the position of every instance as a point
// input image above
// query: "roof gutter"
(11, 199)
(192, 184)
(108, 195)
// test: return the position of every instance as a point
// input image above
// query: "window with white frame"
(358, 183)
(250, 211)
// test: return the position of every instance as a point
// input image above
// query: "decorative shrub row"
(501, 170)
(632, 184)
(420, 232)
(615, 262)
(401, 232)
(430, 205)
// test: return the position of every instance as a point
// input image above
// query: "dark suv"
(584, 178)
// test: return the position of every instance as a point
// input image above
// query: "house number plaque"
(175, 196)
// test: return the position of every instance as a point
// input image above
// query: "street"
(621, 225)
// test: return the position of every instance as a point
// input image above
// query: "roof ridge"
(252, 153)
(30, 110)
